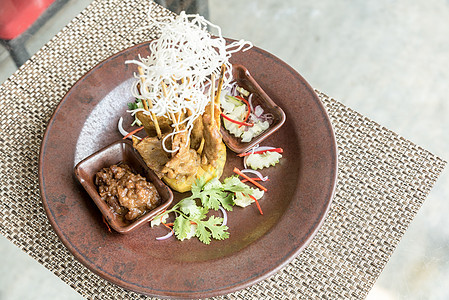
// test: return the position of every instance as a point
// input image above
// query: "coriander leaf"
(212, 194)
(189, 207)
(204, 199)
(233, 184)
(135, 105)
(227, 202)
(231, 180)
(132, 106)
(212, 221)
(190, 220)
(198, 185)
(202, 233)
(181, 227)
(213, 184)
(202, 215)
(218, 231)
(212, 198)
(192, 231)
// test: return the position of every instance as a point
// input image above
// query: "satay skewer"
(212, 98)
(201, 147)
(172, 115)
(220, 84)
(150, 105)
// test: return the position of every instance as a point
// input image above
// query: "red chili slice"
(235, 121)
(278, 150)
(247, 105)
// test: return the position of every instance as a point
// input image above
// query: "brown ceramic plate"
(299, 193)
(121, 151)
(244, 79)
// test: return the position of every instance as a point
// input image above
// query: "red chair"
(19, 20)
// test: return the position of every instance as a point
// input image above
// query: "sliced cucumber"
(264, 160)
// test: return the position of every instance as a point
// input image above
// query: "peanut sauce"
(128, 194)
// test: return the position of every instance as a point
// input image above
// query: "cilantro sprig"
(191, 212)
(133, 106)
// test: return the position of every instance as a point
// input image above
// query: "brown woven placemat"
(383, 178)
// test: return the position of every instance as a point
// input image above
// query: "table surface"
(383, 178)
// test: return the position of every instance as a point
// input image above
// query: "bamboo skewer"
(212, 98)
(201, 147)
(220, 85)
(144, 101)
(172, 115)
(150, 105)
(145, 105)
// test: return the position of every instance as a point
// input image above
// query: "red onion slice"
(254, 149)
(267, 117)
(262, 148)
(120, 127)
(257, 173)
(250, 101)
(225, 216)
(233, 90)
(123, 131)
(161, 238)
(258, 111)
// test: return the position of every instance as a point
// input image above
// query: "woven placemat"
(383, 178)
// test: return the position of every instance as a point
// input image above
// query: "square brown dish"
(120, 152)
(245, 80)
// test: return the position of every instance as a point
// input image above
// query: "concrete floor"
(387, 59)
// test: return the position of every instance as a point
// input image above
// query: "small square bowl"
(120, 152)
(246, 81)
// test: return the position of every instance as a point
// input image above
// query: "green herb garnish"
(191, 212)
(135, 105)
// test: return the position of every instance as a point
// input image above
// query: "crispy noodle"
(183, 57)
